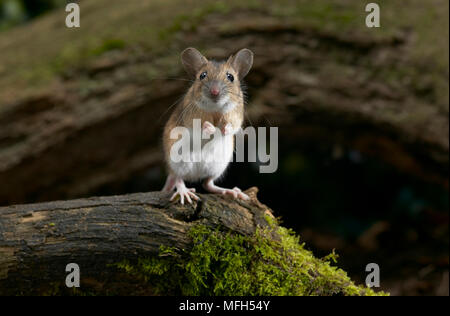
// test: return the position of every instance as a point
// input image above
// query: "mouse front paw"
(208, 128)
(227, 129)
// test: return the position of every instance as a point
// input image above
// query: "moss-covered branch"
(270, 262)
(142, 241)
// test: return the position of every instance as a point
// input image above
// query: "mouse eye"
(203, 75)
(230, 77)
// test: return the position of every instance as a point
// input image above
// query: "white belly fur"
(210, 162)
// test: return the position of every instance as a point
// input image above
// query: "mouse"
(216, 100)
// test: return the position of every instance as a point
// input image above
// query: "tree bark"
(37, 241)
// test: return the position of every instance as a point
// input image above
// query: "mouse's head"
(217, 85)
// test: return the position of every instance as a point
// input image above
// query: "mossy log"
(147, 245)
(37, 241)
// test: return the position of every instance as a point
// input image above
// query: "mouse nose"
(214, 91)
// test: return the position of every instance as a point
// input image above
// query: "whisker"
(171, 106)
(181, 116)
(188, 109)
(169, 78)
(234, 93)
(248, 118)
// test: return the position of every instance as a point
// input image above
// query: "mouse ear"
(192, 61)
(242, 62)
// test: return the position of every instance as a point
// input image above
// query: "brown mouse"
(216, 102)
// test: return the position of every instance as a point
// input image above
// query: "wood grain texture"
(37, 241)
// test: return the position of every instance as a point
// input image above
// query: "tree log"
(37, 241)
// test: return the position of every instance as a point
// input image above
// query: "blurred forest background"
(362, 115)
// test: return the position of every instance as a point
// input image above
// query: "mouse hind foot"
(237, 193)
(170, 183)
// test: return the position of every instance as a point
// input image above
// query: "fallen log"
(119, 237)
(37, 241)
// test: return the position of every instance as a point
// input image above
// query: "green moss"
(271, 262)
